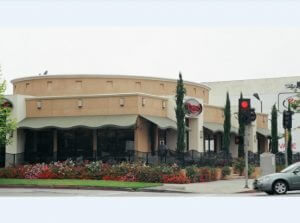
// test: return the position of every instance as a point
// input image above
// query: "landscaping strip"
(76, 184)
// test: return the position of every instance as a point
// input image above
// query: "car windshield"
(290, 168)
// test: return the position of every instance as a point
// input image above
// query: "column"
(95, 144)
(14, 152)
(54, 145)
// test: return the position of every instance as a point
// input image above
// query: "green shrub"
(239, 165)
(279, 168)
(251, 169)
(192, 173)
(225, 171)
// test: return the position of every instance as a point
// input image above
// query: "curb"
(92, 188)
(246, 192)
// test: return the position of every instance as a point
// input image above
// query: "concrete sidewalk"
(214, 187)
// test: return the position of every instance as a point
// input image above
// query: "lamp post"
(257, 97)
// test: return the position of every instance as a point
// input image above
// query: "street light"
(257, 97)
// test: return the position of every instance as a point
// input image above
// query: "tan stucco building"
(95, 116)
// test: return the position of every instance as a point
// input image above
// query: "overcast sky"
(205, 40)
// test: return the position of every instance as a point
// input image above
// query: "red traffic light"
(244, 104)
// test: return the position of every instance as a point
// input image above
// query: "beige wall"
(213, 114)
(101, 105)
(80, 85)
(262, 121)
(141, 136)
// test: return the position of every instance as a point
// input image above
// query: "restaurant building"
(99, 116)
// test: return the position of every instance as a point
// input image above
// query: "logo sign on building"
(193, 107)
(294, 101)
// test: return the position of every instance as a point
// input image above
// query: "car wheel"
(280, 187)
(269, 192)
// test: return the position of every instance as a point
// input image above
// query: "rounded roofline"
(114, 76)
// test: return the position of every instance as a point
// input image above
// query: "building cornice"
(102, 76)
(97, 96)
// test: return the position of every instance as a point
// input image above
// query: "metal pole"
(246, 145)
(286, 140)
(261, 108)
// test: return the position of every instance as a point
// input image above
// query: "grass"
(75, 183)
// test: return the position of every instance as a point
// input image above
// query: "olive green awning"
(264, 132)
(162, 122)
(216, 127)
(79, 121)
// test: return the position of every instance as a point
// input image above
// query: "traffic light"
(287, 119)
(252, 115)
(246, 113)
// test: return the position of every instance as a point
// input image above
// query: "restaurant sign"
(294, 101)
(193, 107)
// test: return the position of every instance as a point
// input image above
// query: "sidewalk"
(214, 187)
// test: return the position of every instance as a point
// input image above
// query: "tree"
(241, 134)
(274, 130)
(180, 114)
(7, 124)
(227, 124)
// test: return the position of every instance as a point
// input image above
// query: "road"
(27, 192)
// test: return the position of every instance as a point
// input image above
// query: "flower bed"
(128, 172)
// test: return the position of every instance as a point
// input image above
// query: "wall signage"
(294, 101)
(193, 107)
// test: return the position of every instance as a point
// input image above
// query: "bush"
(121, 172)
(205, 174)
(279, 168)
(239, 166)
(192, 173)
(251, 169)
(176, 179)
(225, 171)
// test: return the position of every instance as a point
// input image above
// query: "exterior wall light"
(79, 103)
(143, 101)
(39, 105)
(122, 102)
(163, 104)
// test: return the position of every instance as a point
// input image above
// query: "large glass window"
(114, 142)
(38, 145)
(75, 143)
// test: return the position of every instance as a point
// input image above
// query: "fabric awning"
(264, 132)
(216, 127)
(162, 122)
(79, 121)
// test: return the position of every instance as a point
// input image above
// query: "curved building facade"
(104, 116)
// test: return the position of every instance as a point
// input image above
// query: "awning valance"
(161, 122)
(264, 132)
(79, 121)
(216, 127)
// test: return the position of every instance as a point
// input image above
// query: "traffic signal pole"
(246, 146)
(246, 115)
(286, 141)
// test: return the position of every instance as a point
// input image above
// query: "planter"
(256, 173)
(218, 174)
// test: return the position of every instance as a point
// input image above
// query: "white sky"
(205, 40)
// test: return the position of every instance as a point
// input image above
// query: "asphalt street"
(28, 192)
